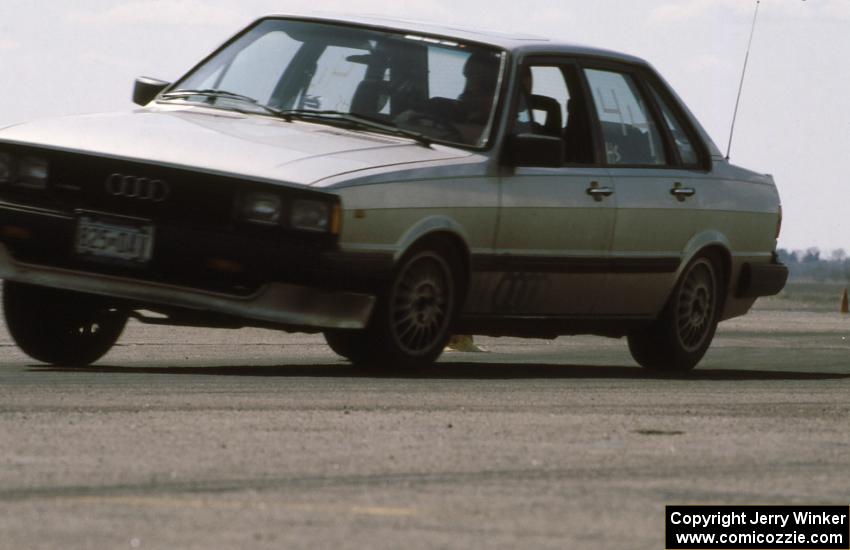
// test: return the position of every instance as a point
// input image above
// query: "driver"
(460, 119)
(476, 101)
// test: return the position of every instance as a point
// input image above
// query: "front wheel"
(351, 344)
(61, 327)
(678, 340)
(411, 322)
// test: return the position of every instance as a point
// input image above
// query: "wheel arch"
(712, 242)
(436, 229)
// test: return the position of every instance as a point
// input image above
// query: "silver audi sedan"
(386, 184)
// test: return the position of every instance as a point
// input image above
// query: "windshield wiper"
(386, 126)
(214, 94)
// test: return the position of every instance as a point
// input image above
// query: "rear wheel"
(59, 326)
(678, 340)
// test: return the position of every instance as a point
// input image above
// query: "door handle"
(599, 193)
(682, 193)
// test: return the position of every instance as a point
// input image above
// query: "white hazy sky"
(74, 56)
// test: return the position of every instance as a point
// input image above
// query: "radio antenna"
(743, 74)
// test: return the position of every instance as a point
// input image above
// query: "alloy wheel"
(420, 304)
(695, 308)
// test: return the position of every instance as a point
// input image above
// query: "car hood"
(224, 142)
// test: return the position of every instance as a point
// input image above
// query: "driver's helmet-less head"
(481, 70)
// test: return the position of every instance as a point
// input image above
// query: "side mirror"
(534, 150)
(146, 89)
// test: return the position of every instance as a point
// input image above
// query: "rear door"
(657, 172)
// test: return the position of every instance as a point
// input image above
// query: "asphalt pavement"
(189, 438)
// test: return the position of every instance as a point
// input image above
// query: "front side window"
(547, 99)
(551, 102)
(440, 88)
(631, 136)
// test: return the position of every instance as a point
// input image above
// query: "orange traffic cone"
(845, 307)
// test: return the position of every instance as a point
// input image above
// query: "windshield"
(442, 89)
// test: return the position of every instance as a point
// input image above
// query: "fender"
(426, 226)
(701, 241)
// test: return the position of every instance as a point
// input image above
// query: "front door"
(556, 223)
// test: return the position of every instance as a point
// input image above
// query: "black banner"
(757, 527)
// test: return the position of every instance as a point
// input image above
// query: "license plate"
(111, 240)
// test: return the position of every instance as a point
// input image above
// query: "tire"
(351, 344)
(61, 327)
(679, 338)
(411, 322)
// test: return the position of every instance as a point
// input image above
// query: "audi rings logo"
(133, 187)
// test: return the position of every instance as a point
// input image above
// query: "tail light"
(779, 222)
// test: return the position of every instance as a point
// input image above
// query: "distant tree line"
(814, 264)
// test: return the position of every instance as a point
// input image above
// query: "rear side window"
(631, 136)
(687, 152)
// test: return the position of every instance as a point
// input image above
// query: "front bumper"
(278, 303)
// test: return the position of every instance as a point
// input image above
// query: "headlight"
(262, 208)
(5, 167)
(311, 215)
(33, 172)
(30, 172)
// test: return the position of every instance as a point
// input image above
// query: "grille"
(194, 222)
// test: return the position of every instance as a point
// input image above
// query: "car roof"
(517, 43)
